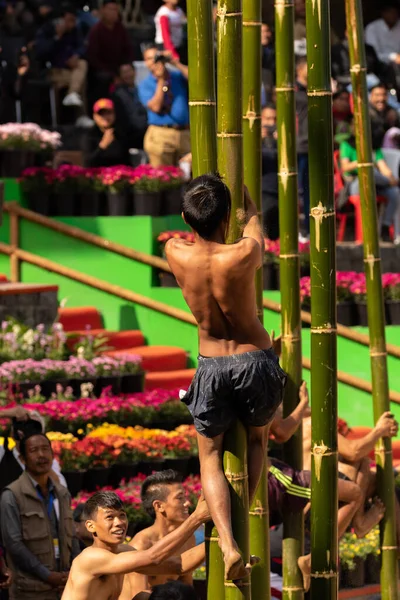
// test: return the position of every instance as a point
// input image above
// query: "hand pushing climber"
(238, 376)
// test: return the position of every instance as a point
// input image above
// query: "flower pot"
(131, 384)
(356, 577)
(65, 204)
(180, 464)
(200, 587)
(147, 203)
(96, 478)
(75, 481)
(120, 471)
(106, 382)
(392, 308)
(13, 162)
(305, 270)
(88, 204)
(172, 201)
(270, 276)
(146, 467)
(39, 202)
(194, 465)
(362, 314)
(117, 204)
(372, 569)
(346, 313)
(75, 384)
(167, 279)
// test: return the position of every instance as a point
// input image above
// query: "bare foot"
(371, 518)
(304, 563)
(234, 566)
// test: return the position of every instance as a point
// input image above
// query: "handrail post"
(14, 239)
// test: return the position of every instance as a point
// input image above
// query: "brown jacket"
(37, 537)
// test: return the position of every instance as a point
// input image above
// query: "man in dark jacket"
(37, 526)
(128, 109)
(61, 43)
(383, 116)
(270, 200)
(302, 137)
(106, 145)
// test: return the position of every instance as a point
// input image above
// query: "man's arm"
(355, 450)
(101, 563)
(253, 227)
(283, 429)
(12, 539)
(183, 69)
(16, 412)
(181, 565)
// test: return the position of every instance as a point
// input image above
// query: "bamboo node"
(323, 329)
(324, 575)
(287, 173)
(202, 103)
(252, 23)
(389, 548)
(319, 451)
(378, 353)
(211, 539)
(368, 164)
(222, 14)
(229, 135)
(292, 589)
(318, 213)
(234, 477)
(289, 88)
(239, 584)
(289, 255)
(370, 261)
(290, 338)
(357, 69)
(258, 512)
(319, 93)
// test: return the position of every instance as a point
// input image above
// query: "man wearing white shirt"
(384, 34)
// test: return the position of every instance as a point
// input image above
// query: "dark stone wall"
(30, 309)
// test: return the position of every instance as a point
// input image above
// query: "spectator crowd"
(125, 88)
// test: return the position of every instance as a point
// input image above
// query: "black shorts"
(248, 387)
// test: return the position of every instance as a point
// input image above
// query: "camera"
(160, 57)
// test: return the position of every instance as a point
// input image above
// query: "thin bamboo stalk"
(202, 106)
(251, 121)
(376, 318)
(230, 166)
(293, 529)
(98, 284)
(324, 498)
(95, 240)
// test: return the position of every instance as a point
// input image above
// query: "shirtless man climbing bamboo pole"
(238, 376)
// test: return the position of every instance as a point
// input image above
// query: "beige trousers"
(73, 79)
(165, 145)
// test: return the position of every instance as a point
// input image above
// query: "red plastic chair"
(356, 202)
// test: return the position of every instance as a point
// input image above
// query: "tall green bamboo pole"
(324, 499)
(230, 166)
(259, 518)
(203, 131)
(293, 523)
(376, 318)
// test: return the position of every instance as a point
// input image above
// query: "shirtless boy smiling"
(238, 375)
(98, 572)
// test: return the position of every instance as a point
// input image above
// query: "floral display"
(28, 136)
(18, 341)
(352, 286)
(351, 547)
(391, 286)
(153, 179)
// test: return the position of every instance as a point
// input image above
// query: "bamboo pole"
(230, 166)
(375, 306)
(95, 240)
(293, 523)
(324, 498)
(203, 131)
(251, 121)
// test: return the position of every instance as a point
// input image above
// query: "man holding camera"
(164, 94)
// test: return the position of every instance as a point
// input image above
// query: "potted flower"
(353, 554)
(88, 204)
(358, 290)
(173, 189)
(177, 452)
(66, 186)
(346, 312)
(132, 375)
(147, 186)
(20, 143)
(271, 265)
(305, 293)
(391, 291)
(36, 186)
(304, 256)
(107, 375)
(115, 182)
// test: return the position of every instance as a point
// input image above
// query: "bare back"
(217, 282)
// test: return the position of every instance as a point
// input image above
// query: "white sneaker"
(303, 239)
(397, 240)
(84, 122)
(72, 99)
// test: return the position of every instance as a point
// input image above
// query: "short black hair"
(173, 590)
(154, 488)
(68, 9)
(389, 5)
(78, 514)
(300, 60)
(270, 105)
(23, 429)
(206, 204)
(102, 500)
(22, 445)
(378, 86)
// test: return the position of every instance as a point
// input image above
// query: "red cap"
(103, 104)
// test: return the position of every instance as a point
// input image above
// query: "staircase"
(165, 366)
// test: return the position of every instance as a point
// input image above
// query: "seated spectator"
(270, 200)
(268, 57)
(341, 62)
(384, 36)
(129, 111)
(173, 590)
(164, 94)
(341, 110)
(108, 48)
(383, 116)
(386, 182)
(170, 21)
(61, 43)
(105, 145)
(84, 537)
(36, 526)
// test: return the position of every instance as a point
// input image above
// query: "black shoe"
(385, 234)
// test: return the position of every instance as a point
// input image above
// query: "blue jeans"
(383, 188)
(304, 184)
